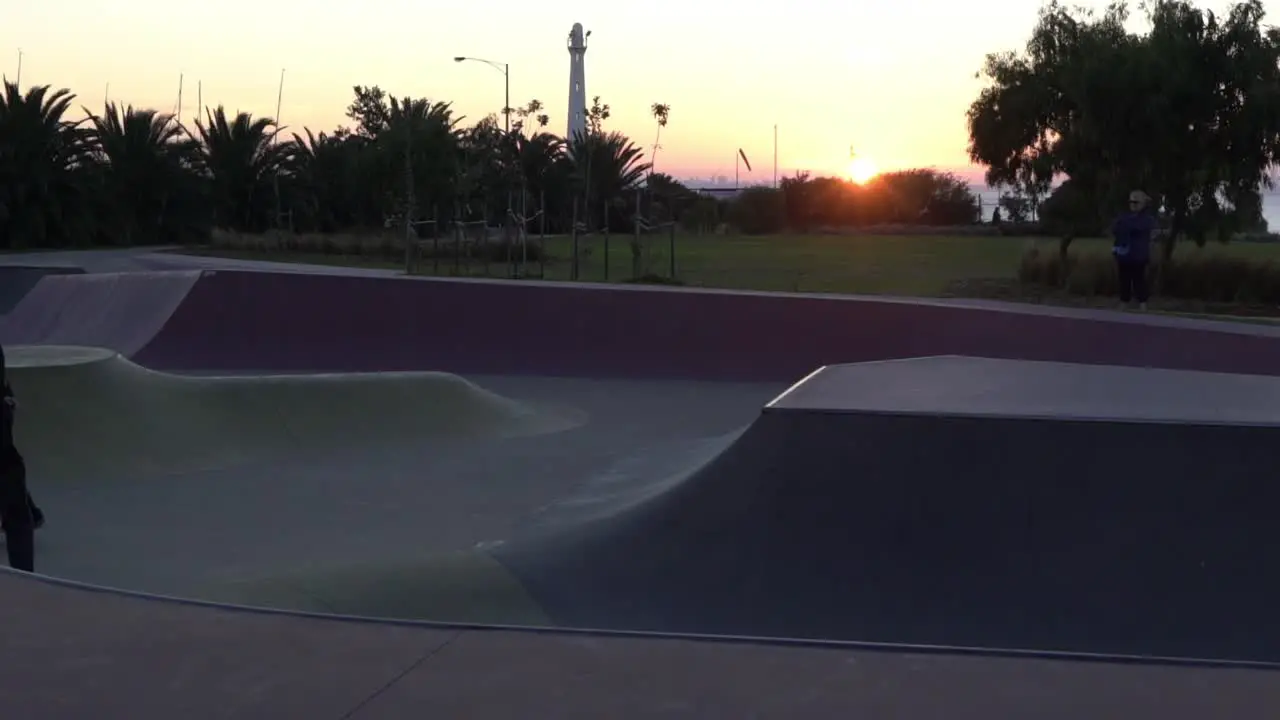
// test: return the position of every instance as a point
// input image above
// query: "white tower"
(577, 81)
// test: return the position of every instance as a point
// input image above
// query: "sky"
(890, 80)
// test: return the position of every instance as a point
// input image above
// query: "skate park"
(796, 481)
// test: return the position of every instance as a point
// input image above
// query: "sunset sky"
(891, 79)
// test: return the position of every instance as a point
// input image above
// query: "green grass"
(898, 264)
(912, 265)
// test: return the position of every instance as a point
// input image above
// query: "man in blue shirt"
(1133, 232)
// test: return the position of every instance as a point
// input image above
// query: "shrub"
(1200, 276)
(386, 246)
(654, 279)
(758, 211)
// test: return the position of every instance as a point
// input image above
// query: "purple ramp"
(294, 322)
(118, 311)
(958, 502)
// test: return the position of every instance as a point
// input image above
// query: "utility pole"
(775, 156)
(279, 101)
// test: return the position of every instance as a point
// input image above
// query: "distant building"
(720, 193)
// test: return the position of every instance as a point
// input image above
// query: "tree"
(1189, 111)
(661, 113)
(581, 151)
(336, 188)
(242, 161)
(924, 196)
(41, 193)
(146, 161)
(1016, 206)
(370, 110)
(420, 141)
(608, 165)
(596, 115)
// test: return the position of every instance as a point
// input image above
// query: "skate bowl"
(915, 520)
(935, 502)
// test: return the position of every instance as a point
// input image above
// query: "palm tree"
(147, 163)
(607, 163)
(332, 180)
(242, 160)
(538, 156)
(617, 164)
(420, 140)
(41, 170)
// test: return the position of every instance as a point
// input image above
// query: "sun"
(862, 170)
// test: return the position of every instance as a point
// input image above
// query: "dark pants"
(1133, 280)
(16, 511)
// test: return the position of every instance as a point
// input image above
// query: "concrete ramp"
(958, 502)
(120, 311)
(263, 321)
(88, 413)
(17, 280)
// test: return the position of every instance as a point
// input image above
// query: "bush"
(654, 279)
(1199, 276)
(758, 211)
(385, 246)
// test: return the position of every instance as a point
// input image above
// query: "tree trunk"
(1064, 259)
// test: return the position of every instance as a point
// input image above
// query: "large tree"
(42, 196)
(243, 162)
(1188, 111)
(146, 163)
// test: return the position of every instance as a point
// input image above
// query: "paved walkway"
(100, 654)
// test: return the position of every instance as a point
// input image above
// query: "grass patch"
(1209, 282)
(897, 264)
(1239, 279)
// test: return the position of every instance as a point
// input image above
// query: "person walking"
(18, 514)
(1134, 231)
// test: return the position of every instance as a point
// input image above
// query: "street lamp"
(505, 69)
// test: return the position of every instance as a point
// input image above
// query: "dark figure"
(18, 514)
(1133, 232)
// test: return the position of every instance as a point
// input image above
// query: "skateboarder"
(18, 514)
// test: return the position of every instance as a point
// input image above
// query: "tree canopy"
(1188, 111)
(127, 175)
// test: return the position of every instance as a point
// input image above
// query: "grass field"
(897, 264)
(909, 265)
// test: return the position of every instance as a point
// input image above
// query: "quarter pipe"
(957, 502)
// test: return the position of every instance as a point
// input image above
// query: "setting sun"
(861, 170)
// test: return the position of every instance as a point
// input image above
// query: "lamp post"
(505, 69)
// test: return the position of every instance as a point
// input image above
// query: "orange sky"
(892, 80)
